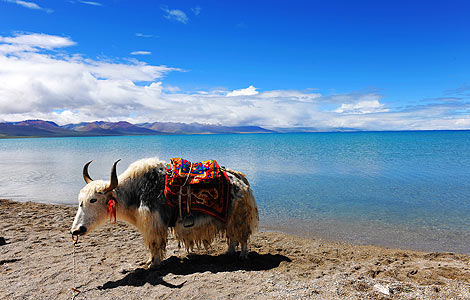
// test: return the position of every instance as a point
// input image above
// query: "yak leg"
(242, 223)
(154, 235)
(157, 249)
(232, 246)
(244, 252)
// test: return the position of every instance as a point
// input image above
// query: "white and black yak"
(139, 200)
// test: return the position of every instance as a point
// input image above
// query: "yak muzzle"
(81, 230)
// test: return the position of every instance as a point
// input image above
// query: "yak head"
(94, 202)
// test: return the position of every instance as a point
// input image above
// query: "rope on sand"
(74, 289)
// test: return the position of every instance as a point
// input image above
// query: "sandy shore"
(36, 262)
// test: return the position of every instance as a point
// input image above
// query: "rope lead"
(74, 289)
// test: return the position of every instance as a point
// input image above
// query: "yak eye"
(92, 200)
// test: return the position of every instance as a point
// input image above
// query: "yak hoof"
(244, 255)
(152, 264)
(232, 247)
(230, 251)
(244, 252)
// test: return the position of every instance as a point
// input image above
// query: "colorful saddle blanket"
(207, 183)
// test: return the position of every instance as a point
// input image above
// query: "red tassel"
(112, 209)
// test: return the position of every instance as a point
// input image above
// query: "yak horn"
(85, 173)
(114, 179)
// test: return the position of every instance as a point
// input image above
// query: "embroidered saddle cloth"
(204, 184)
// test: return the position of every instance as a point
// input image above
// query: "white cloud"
(30, 5)
(139, 34)
(362, 107)
(141, 53)
(171, 88)
(290, 95)
(249, 91)
(26, 4)
(33, 42)
(91, 3)
(39, 82)
(175, 14)
(427, 117)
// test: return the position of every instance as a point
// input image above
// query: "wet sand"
(36, 262)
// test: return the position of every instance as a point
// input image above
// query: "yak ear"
(85, 173)
(113, 183)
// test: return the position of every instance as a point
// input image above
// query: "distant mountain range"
(40, 128)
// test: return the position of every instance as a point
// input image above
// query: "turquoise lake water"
(398, 189)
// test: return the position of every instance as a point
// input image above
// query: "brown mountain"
(110, 128)
(40, 128)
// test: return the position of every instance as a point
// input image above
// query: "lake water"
(398, 189)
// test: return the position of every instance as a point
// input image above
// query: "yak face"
(93, 201)
(92, 209)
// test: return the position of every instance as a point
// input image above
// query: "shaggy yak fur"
(140, 201)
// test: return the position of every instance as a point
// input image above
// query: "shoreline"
(397, 237)
(376, 234)
(36, 263)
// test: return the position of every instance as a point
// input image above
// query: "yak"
(137, 197)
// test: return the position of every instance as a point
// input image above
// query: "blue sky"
(373, 65)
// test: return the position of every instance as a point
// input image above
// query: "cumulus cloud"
(34, 82)
(249, 91)
(40, 80)
(30, 5)
(362, 107)
(421, 117)
(176, 15)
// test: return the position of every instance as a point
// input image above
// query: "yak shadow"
(196, 263)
